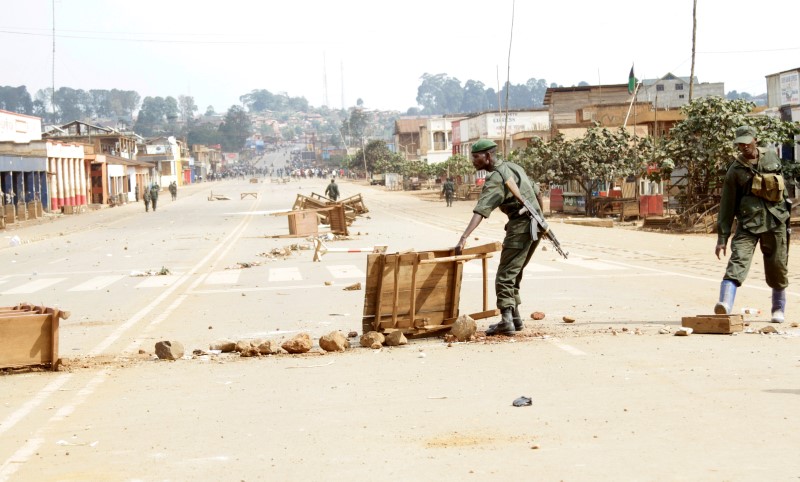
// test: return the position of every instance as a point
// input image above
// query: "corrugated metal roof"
(405, 126)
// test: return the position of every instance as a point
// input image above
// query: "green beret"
(483, 145)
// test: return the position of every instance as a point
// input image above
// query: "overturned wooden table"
(418, 292)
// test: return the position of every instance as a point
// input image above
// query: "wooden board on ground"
(253, 195)
(303, 223)
(29, 336)
(714, 324)
(418, 293)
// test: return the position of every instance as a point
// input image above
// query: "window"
(680, 96)
(678, 86)
(660, 88)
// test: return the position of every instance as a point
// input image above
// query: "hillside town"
(85, 164)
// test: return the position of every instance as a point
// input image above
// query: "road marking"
(24, 410)
(33, 286)
(567, 348)
(284, 274)
(158, 281)
(227, 277)
(346, 271)
(591, 264)
(97, 283)
(24, 453)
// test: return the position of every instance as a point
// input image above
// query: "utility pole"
(694, 44)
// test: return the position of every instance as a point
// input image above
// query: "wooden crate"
(303, 223)
(337, 219)
(714, 324)
(419, 292)
(29, 336)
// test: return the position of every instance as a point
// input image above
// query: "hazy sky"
(377, 50)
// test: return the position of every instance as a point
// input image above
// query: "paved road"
(609, 404)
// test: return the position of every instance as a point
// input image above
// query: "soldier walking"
(154, 195)
(332, 191)
(146, 198)
(754, 193)
(449, 189)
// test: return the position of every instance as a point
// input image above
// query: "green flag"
(631, 81)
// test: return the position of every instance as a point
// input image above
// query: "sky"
(335, 52)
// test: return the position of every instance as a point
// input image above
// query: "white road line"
(24, 453)
(227, 277)
(591, 264)
(346, 271)
(33, 286)
(97, 283)
(284, 274)
(567, 348)
(540, 268)
(158, 281)
(24, 410)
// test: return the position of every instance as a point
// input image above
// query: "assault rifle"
(541, 224)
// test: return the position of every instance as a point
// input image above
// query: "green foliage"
(261, 100)
(157, 116)
(16, 99)
(602, 154)
(702, 144)
(455, 165)
(442, 94)
(235, 129)
(206, 135)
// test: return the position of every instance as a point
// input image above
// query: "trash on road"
(523, 402)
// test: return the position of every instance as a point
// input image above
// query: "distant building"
(671, 91)
(783, 100)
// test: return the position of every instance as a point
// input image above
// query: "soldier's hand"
(720, 247)
(459, 247)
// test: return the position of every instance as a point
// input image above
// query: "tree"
(210, 110)
(16, 99)
(701, 145)
(455, 165)
(542, 160)
(439, 94)
(187, 108)
(601, 154)
(206, 135)
(235, 129)
(355, 126)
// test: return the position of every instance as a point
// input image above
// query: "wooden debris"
(714, 324)
(418, 292)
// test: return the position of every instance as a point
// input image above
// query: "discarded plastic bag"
(523, 402)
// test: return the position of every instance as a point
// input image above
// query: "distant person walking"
(332, 191)
(154, 195)
(173, 190)
(449, 189)
(146, 198)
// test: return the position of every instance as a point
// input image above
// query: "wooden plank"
(455, 289)
(485, 314)
(485, 271)
(395, 290)
(379, 295)
(714, 324)
(412, 309)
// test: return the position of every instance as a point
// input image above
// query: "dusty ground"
(613, 398)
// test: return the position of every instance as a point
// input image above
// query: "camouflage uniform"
(518, 244)
(759, 221)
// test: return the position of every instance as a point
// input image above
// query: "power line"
(165, 41)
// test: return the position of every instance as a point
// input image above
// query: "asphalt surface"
(613, 399)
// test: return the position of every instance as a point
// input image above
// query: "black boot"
(517, 319)
(506, 325)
